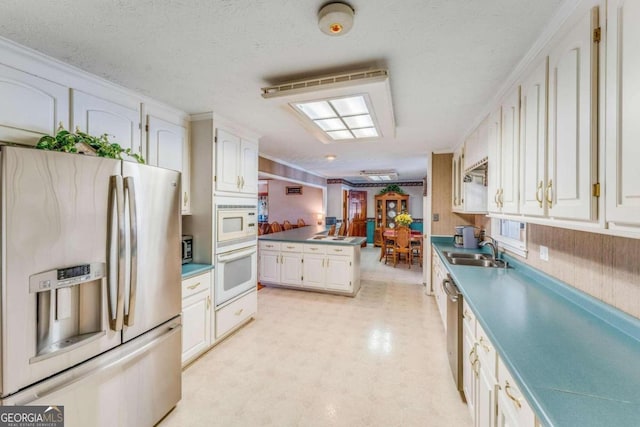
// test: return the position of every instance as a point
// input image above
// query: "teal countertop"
(192, 269)
(303, 234)
(576, 359)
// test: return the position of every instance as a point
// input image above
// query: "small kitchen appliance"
(469, 239)
(187, 249)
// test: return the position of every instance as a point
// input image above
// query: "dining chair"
(343, 228)
(351, 228)
(266, 228)
(332, 230)
(386, 246)
(275, 227)
(287, 225)
(301, 222)
(417, 249)
(402, 245)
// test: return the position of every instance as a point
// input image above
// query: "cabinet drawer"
(340, 250)
(291, 247)
(469, 318)
(195, 284)
(315, 249)
(269, 246)
(486, 350)
(235, 313)
(512, 397)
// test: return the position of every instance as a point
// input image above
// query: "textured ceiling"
(446, 59)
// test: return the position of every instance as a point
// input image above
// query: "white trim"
(291, 165)
(30, 61)
(589, 227)
(512, 245)
(551, 29)
(201, 116)
(295, 181)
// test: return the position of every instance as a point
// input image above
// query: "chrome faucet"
(492, 243)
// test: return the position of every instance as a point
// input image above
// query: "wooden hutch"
(387, 206)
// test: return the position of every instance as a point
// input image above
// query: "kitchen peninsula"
(306, 258)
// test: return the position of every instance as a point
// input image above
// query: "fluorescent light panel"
(341, 118)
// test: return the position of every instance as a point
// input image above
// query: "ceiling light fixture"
(341, 118)
(348, 106)
(382, 175)
(335, 19)
(330, 157)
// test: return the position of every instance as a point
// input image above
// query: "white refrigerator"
(90, 280)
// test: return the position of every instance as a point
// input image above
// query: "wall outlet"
(436, 217)
(544, 253)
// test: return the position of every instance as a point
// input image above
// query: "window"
(511, 235)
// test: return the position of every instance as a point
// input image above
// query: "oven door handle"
(233, 255)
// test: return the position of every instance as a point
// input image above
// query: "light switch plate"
(544, 253)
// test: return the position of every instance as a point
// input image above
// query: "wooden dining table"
(389, 235)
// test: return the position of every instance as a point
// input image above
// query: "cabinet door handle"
(539, 191)
(495, 198)
(465, 313)
(327, 262)
(550, 193)
(208, 302)
(238, 182)
(476, 367)
(516, 401)
(242, 181)
(323, 262)
(239, 312)
(501, 198)
(185, 199)
(338, 250)
(192, 287)
(281, 259)
(484, 345)
(290, 247)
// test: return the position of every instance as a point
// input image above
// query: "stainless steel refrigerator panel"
(100, 392)
(54, 217)
(152, 295)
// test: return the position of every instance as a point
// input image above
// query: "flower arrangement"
(404, 219)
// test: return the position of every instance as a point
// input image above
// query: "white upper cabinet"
(623, 114)
(509, 147)
(32, 107)
(236, 164)
(476, 146)
(97, 116)
(168, 147)
(494, 171)
(533, 141)
(573, 120)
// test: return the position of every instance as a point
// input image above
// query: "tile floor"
(312, 359)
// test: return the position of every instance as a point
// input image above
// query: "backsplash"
(606, 267)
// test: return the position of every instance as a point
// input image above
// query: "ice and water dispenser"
(69, 307)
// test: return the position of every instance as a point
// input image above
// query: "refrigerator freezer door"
(153, 293)
(54, 221)
(133, 385)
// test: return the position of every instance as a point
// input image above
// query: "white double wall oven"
(236, 259)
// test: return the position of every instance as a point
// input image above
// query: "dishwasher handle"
(450, 289)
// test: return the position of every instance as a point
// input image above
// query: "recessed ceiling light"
(383, 175)
(345, 101)
(343, 118)
(330, 157)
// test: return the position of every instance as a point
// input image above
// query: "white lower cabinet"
(237, 312)
(438, 274)
(492, 395)
(312, 266)
(196, 316)
(513, 409)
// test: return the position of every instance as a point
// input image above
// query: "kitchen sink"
(466, 255)
(475, 260)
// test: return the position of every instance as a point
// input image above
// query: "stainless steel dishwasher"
(454, 330)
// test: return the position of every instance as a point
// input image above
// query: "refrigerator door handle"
(116, 194)
(129, 316)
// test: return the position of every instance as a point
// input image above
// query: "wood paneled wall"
(605, 267)
(441, 198)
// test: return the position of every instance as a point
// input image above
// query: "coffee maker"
(465, 237)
